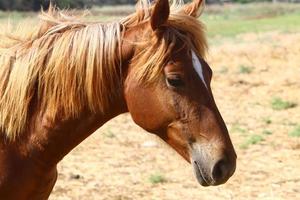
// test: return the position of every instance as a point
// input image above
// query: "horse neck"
(51, 141)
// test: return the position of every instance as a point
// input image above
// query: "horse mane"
(66, 65)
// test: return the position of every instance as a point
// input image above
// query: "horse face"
(197, 131)
(180, 109)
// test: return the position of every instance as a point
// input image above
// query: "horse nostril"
(219, 171)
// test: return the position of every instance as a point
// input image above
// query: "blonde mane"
(67, 65)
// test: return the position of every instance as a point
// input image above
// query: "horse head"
(168, 93)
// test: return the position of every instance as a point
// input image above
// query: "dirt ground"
(115, 163)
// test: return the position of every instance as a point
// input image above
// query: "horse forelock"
(68, 65)
(155, 49)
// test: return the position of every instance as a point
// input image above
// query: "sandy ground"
(115, 163)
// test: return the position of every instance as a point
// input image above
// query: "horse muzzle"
(212, 170)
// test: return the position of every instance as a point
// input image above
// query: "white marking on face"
(198, 67)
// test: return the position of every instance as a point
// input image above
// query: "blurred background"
(255, 55)
(25, 5)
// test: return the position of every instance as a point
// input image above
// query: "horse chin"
(199, 173)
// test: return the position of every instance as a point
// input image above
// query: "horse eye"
(175, 81)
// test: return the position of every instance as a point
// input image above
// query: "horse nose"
(222, 170)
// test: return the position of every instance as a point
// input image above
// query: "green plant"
(295, 132)
(238, 129)
(242, 1)
(109, 134)
(267, 132)
(280, 104)
(223, 70)
(245, 69)
(267, 120)
(254, 139)
(157, 178)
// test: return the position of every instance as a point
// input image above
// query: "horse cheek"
(147, 109)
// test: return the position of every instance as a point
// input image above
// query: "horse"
(65, 78)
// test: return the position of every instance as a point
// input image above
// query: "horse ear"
(195, 8)
(160, 14)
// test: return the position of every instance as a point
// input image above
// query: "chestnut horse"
(63, 80)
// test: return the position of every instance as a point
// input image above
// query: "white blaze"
(198, 67)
